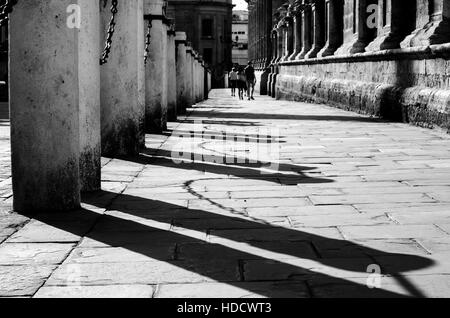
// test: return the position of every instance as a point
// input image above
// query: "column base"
(387, 41)
(353, 47)
(327, 51)
(313, 52)
(435, 32)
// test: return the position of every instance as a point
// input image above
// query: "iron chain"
(147, 41)
(5, 10)
(110, 33)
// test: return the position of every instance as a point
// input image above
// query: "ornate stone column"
(181, 72)
(156, 68)
(394, 18)
(317, 7)
(357, 32)
(432, 24)
(334, 27)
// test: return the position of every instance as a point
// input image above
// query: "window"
(207, 55)
(207, 27)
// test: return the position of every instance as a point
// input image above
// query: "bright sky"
(240, 5)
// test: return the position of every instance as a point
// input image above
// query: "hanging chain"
(147, 41)
(110, 33)
(5, 10)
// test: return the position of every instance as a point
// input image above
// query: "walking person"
(233, 77)
(242, 83)
(250, 80)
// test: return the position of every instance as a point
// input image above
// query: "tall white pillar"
(181, 72)
(171, 76)
(189, 96)
(89, 90)
(44, 103)
(122, 111)
(156, 68)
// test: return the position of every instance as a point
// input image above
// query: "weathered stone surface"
(235, 290)
(33, 253)
(391, 231)
(107, 291)
(23, 280)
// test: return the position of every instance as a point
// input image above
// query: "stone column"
(394, 19)
(122, 114)
(432, 24)
(171, 77)
(289, 39)
(156, 68)
(44, 106)
(357, 31)
(89, 102)
(189, 96)
(334, 27)
(181, 72)
(297, 20)
(317, 8)
(306, 31)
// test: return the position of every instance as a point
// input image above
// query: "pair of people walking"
(243, 80)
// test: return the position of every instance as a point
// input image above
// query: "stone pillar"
(122, 114)
(394, 24)
(306, 31)
(44, 106)
(432, 24)
(357, 32)
(171, 77)
(181, 72)
(289, 38)
(333, 27)
(156, 68)
(189, 96)
(317, 8)
(297, 20)
(89, 102)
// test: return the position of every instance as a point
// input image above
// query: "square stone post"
(122, 111)
(432, 24)
(181, 72)
(334, 27)
(156, 68)
(171, 76)
(45, 98)
(394, 19)
(317, 8)
(357, 31)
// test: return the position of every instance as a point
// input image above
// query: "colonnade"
(67, 109)
(315, 29)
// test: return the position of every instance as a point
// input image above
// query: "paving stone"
(107, 291)
(339, 220)
(355, 199)
(235, 290)
(23, 280)
(303, 211)
(391, 231)
(33, 253)
(153, 272)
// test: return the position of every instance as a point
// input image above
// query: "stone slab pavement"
(247, 199)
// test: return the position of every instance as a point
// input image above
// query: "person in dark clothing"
(251, 80)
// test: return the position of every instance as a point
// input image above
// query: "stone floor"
(335, 203)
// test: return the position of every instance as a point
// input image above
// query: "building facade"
(208, 26)
(388, 58)
(240, 37)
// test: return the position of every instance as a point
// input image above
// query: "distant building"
(208, 27)
(240, 37)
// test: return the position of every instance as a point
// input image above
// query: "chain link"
(110, 33)
(147, 41)
(5, 10)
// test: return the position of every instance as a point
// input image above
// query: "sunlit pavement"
(247, 199)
